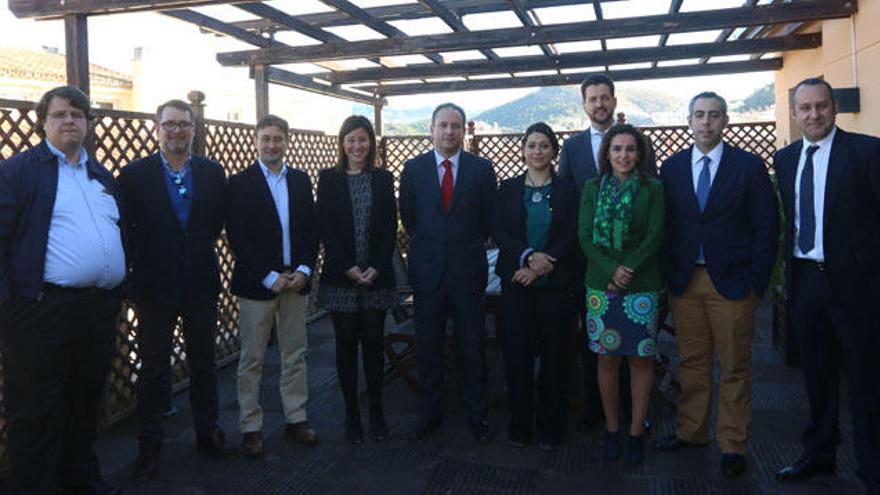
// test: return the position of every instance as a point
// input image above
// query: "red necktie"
(446, 185)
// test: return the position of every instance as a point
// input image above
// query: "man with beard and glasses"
(579, 162)
(174, 203)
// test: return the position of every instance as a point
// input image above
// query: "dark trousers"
(56, 354)
(537, 324)
(828, 334)
(431, 311)
(367, 329)
(155, 339)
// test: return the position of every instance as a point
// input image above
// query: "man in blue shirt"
(174, 204)
(61, 265)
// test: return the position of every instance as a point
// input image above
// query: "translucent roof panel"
(225, 13)
(699, 5)
(639, 65)
(294, 38)
(300, 7)
(462, 55)
(303, 68)
(420, 27)
(491, 20)
(578, 46)
(355, 32)
(634, 8)
(403, 60)
(729, 58)
(633, 42)
(535, 73)
(677, 63)
(518, 51)
(565, 13)
(582, 70)
(693, 37)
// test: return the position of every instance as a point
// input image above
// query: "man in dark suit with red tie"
(830, 188)
(446, 199)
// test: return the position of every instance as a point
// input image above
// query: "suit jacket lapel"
(158, 176)
(198, 193)
(262, 186)
(836, 170)
(718, 183)
(428, 170)
(591, 170)
(788, 174)
(464, 169)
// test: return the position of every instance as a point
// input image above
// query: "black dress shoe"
(733, 465)
(611, 448)
(806, 468)
(354, 432)
(146, 467)
(482, 432)
(423, 429)
(672, 442)
(214, 444)
(635, 450)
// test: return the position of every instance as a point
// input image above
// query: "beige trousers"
(707, 323)
(255, 320)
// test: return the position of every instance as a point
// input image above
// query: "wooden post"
(76, 40)
(377, 118)
(261, 81)
(621, 118)
(197, 100)
(475, 143)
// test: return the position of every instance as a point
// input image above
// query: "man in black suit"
(830, 187)
(446, 207)
(271, 226)
(174, 207)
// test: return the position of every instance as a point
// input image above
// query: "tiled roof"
(20, 63)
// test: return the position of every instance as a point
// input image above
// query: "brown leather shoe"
(252, 444)
(301, 433)
(214, 444)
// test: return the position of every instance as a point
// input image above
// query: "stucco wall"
(834, 61)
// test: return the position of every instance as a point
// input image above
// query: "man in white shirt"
(61, 265)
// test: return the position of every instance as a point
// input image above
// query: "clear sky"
(112, 40)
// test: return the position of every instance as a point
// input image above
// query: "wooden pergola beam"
(674, 7)
(574, 79)
(576, 60)
(725, 33)
(213, 25)
(377, 25)
(453, 21)
(76, 39)
(577, 31)
(307, 83)
(405, 12)
(60, 8)
(522, 14)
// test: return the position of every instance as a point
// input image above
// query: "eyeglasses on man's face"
(176, 125)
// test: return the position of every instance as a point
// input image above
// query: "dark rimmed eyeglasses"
(178, 125)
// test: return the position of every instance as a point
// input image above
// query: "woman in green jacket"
(621, 232)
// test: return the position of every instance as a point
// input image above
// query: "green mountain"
(560, 107)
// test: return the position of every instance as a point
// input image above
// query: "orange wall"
(834, 61)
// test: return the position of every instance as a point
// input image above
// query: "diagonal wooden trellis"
(121, 137)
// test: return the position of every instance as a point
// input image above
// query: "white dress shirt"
(84, 247)
(278, 188)
(820, 174)
(596, 143)
(441, 170)
(697, 163)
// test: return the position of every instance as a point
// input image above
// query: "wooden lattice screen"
(121, 137)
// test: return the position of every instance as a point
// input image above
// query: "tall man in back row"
(446, 199)
(174, 206)
(61, 265)
(829, 182)
(579, 162)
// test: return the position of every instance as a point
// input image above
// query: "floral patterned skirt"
(622, 324)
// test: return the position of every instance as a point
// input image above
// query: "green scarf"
(614, 211)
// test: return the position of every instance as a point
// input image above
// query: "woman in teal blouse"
(621, 232)
(535, 228)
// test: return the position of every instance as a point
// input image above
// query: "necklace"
(537, 196)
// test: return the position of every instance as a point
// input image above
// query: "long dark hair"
(541, 128)
(350, 124)
(641, 146)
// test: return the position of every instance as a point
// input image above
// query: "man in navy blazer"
(446, 207)
(174, 204)
(721, 240)
(830, 188)
(272, 231)
(61, 265)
